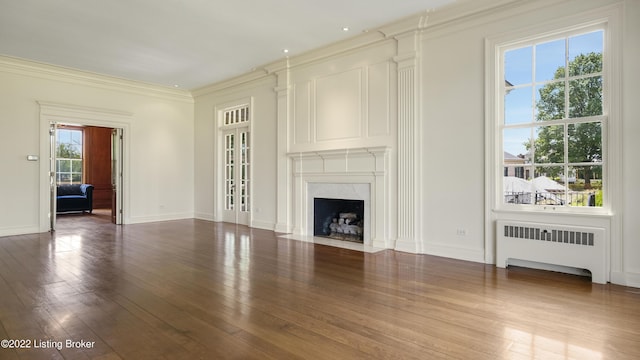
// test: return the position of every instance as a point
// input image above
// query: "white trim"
(204, 216)
(163, 217)
(264, 225)
(626, 278)
(284, 180)
(94, 80)
(51, 112)
(11, 231)
(499, 124)
(218, 170)
(345, 166)
(492, 102)
(456, 252)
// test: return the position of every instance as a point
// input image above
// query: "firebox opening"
(341, 219)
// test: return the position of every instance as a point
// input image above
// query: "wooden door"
(98, 164)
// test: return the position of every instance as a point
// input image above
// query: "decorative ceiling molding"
(408, 24)
(57, 73)
(422, 21)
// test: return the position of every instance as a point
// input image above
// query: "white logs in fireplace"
(339, 211)
(341, 219)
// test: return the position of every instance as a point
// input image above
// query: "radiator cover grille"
(562, 236)
(564, 245)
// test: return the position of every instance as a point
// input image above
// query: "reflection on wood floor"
(192, 289)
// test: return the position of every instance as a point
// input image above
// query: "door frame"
(117, 142)
(239, 216)
(218, 181)
(56, 113)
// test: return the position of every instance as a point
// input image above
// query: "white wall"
(630, 212)
(160, 172)
(453, 142)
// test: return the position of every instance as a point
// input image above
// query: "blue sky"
(72, 137)
(519, 71)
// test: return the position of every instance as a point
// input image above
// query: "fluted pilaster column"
(409, 149)
(284, 169)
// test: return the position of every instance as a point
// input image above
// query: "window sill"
(556, 211)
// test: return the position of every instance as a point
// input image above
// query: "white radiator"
(577, 247)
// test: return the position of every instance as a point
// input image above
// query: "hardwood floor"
(193, 289)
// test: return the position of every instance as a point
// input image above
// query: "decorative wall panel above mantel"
(344, 102)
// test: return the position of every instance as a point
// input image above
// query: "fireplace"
(341, 219)
(351, 174)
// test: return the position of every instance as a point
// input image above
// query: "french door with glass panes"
(236, 176)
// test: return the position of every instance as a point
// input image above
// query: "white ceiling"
(190, 43)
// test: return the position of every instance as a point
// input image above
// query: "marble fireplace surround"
(357, 174)
(344, 191)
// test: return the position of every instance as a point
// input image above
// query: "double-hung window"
(552, 120)
(69, 156)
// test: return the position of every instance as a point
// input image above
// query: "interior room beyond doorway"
(84, 156)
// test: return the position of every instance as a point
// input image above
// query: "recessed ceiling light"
(345, 28)
(285, 50)
(176, 85)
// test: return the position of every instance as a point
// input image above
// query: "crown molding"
(463, 10)
(84, 112)
(258, 74)
(366, 39)
(408, 24)
(341, 48)
(57, 73)
(469, 14)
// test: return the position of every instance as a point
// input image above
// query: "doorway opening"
(86, 149)
(86, 171)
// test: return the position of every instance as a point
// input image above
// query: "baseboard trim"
(380, 243)
(474, 255)
(264, 225)
(12, 231)
(626, 279)
(163, 217)
(283, 228)
(406, 245)
(204, 216)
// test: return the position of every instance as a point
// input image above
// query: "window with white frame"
(237, 115)
(552, 119)
(69, 156)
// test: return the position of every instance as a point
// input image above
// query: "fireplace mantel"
(366, 167)
(337, 153)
